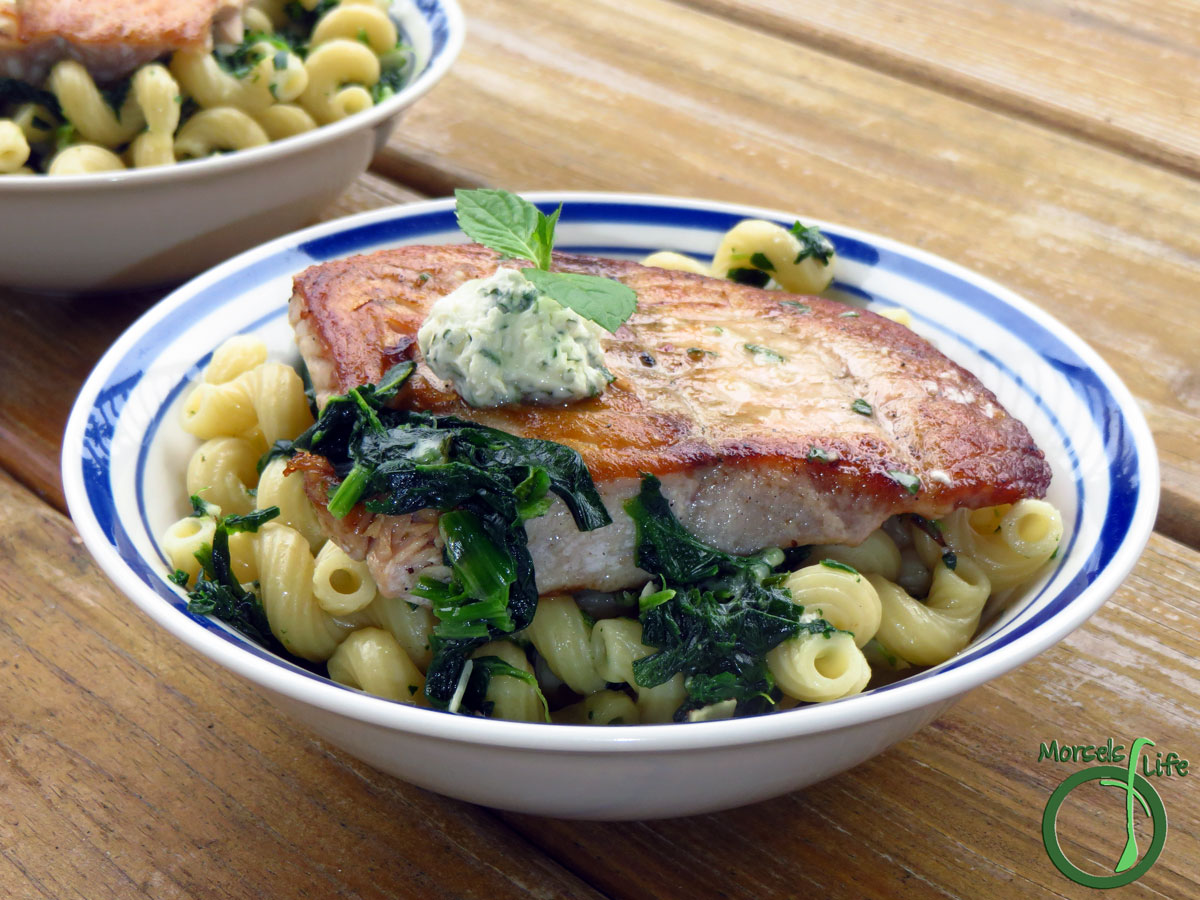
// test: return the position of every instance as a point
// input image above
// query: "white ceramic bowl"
(143, 227)
(123, 458)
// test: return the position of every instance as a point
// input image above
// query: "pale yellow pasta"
(564, 641)
(511, 698)
(714, 712)
(35, 121)
(410, 623)
(817, 667)
(781, 248)
(271, 10)
(243, 556)
(285, 575)
(616, 644)
(158, 96)
(277, 394)
(284, 120)
(150, 149)
(269, 397)
(927, 549)
(659, 703)
(266, 83)
(84, 159)
(846, 600)
(224, 471)
(285, 83)
(287, 492)
(363, 22)
(878, 553)
(204, 79)
(85, 107)
(1032, 529)
(676, 262)
(931, 632)
(221, 128)
(342, 585)
(217, 410)
(14, 148)
(234, 357)
(370, 660)
(1010, 543)
(339, 73)
(256, 19)
(181, 541)
(600, 708)
(897, 314)
(254, 437)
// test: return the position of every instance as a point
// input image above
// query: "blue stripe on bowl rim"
(434, 13)
(1109, 417)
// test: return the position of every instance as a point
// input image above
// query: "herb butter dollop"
(500, 340)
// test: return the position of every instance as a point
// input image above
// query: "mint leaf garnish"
(543, 236)
(507, 223)
(606, 302)
(514, 227)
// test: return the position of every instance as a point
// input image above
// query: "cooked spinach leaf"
(14, 92)
(717, 614)
(393, 74)
(483, 670)
(487, 484)
(217, 591)
(746, 275)
(812, 243)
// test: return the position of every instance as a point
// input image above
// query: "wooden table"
(1052, 146)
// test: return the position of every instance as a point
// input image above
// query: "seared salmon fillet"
(110, 37)
(771, 419)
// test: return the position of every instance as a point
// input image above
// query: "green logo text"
(1131, 865)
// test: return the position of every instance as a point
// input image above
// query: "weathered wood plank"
(969, 785)
(659, 98)
(1115, 73)
(50, 343)
(131, 767)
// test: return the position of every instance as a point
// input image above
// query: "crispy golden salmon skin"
(772, 419)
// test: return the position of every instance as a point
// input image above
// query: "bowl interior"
(124, 454)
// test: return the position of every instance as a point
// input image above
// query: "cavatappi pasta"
(912, 594)
(300, 65)
(755, 251)
(799, 260)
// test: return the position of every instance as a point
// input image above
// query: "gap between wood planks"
(1098, 132)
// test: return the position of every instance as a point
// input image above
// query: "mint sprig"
(514, 227)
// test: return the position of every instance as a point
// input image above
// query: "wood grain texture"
(955, 812)
(131, 767)
(50, 343)
(647, 97)
(1116, 72)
